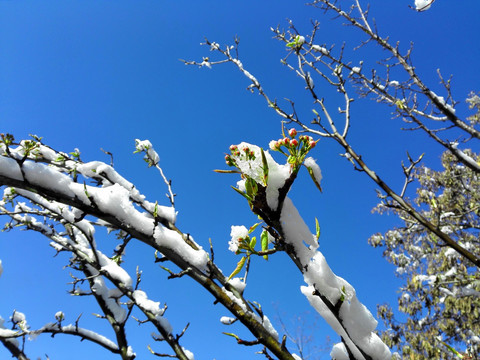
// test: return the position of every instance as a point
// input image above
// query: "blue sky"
(99, 74)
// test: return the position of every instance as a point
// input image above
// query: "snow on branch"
(21, 330)
(46, 190)
(263, 179)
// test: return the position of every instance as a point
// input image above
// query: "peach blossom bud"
(292, 133)
(312, 144)
(294, 142)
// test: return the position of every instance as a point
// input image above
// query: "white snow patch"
(236, 233)
(146, 304)
(238, 284)
(339, 352)
(312, 164)
(422, 5)
(225, 320)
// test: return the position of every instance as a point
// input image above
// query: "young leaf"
(242, 193)
(238, 268)
(232, 335)
(312, 175)
(253, 242)
(452, 350)
(265, 167)
(317, 229)
(342, 296)
(264, 240)
(251, 187)
(253, 227)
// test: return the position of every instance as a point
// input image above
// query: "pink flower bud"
(286, 141)
(294, 142)
(312, 144)
(233, 148)
(292, 133)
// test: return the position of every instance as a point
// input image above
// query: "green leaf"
(265, 167)
(253, 227)
(342, 297)
(242, 193)
(452, 350)
(317, 229)
(251, 187)
(232, 335)
(238, 268)
(253, 242)
(310, 172)
(264, 240)
(400, 104)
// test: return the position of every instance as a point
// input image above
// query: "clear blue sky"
(99, 74)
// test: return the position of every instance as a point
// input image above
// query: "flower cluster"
(239, 235)
(293, 148)
(245, 154)
(291, 143)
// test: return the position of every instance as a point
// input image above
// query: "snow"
(100, 289)
(269, 327)
(277, 174)
(142, 300)
(297, 232)
(339, 352)
(312, 165)
(320, 49)
(59, 315)
(130, 352)
(90, 335)
(236, 233)
(422, 5)
(164, 323)
(358, 323)
(188, 353)
(238, 284)
(309, 80)
(225, 320)
(115, 271)
(49, 178)
(9, 168)
(18, 317)
(467, 159)
(146, 145)
(8, 333)
(5, 333)
(430, 279)
(174, 241)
